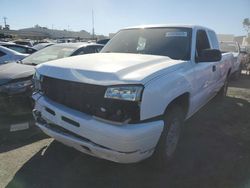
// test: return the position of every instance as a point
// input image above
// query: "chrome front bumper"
(119, 143)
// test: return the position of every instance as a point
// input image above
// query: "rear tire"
(168, 142)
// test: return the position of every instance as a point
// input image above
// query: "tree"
(246, 24)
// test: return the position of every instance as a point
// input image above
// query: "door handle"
(214, 68)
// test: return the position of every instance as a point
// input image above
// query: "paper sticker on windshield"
(141, 44)
(176, 34)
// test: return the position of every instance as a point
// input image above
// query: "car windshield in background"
(48, 54)
(172, 42)
(228, 47)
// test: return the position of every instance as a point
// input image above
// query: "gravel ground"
(213, 153)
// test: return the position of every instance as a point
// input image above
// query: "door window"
(202, 42)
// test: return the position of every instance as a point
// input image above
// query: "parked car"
(129, 101)
(18, 48)
(42, 45)
(62, 50)
(15, 78)
(7, 55)
(103, 41)
(234, 48)
(15, 88)
(24, 42)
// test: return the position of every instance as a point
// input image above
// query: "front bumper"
(118, 143)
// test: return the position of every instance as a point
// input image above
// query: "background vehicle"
(42, 45)
(18, 48)
(62, 50)
(15, 78)
(15, 88)
(7, 55)
(234, 48)
(130, 100)
(103, 41)
(24, 42)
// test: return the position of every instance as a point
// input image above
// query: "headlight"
(16, 86)
(128, 93)
(37, 78)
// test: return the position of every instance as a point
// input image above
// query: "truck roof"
(166, 25)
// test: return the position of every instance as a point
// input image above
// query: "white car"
(129, 101)
(7, 55)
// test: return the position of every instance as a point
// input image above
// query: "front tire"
(168, 142)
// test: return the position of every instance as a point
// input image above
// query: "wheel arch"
(182, 101)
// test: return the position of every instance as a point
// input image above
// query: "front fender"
(159, 93)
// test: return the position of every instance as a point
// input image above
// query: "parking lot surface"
(214, 152)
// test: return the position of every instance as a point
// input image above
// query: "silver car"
(7, 55)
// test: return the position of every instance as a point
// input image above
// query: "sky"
(224, 16)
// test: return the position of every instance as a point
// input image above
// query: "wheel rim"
(172, 137)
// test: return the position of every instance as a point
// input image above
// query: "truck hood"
(109, 68)
(13, 71)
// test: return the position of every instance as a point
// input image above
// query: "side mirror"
(209, 55)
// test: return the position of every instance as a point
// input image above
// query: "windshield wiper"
(34, 64)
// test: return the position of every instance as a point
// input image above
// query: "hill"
(38, 32)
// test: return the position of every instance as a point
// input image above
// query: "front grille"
(79, 96)
(89, 99)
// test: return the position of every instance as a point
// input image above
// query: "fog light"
(36, 114)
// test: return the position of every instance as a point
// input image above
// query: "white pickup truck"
(129, 102)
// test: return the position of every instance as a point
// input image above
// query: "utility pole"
(93, 25)
(5, 23)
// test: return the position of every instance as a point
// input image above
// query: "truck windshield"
(172, 42)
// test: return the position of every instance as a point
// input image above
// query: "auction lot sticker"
(176, 34)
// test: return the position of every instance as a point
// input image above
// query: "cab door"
(218, 75)
(204, 72)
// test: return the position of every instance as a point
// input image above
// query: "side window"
(98, 48)
(90, 49)
(30, 51)
(18, 49)
(80, 51)
(213, 39)
(201, 42)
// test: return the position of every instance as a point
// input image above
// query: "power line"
(93, 25)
